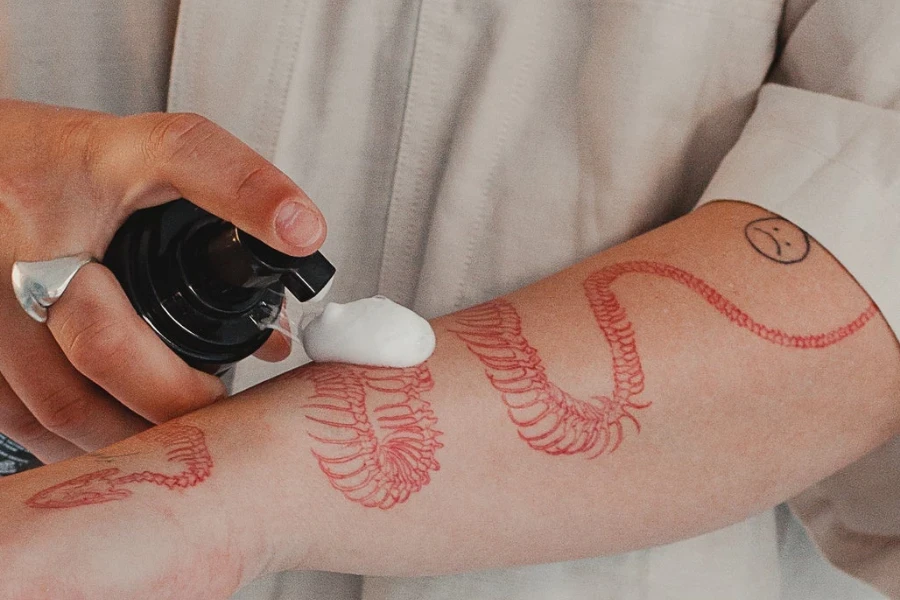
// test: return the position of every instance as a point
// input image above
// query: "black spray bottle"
(209, 290)
(206, 288)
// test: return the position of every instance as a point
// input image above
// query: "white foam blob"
(373, 331)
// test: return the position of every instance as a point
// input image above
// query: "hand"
(68, 179)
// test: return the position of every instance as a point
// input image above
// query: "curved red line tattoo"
(381, 464)
(553, 421)
(183, 445)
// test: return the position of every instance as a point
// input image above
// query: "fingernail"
(298, 225)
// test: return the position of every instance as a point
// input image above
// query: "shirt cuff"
(832, 167)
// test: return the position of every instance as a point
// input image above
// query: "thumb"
(188, 155)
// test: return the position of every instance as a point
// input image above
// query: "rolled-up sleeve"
(822, 149)
(832, 166)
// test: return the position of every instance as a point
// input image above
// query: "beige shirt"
(97, 54)
(463, 148)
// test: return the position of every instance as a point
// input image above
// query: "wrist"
(110, 524)
(247, 508)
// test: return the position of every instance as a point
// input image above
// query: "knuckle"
(92, 342)
(27, 430)
(98, 350)
(63, 411)
(177, 134)
(257, 177)
(77, 138)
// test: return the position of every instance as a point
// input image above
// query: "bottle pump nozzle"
(240, 260)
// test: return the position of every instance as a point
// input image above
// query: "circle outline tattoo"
(759, 250)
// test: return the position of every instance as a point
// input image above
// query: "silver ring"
(41, 283)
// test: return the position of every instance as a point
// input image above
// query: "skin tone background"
(735, 425)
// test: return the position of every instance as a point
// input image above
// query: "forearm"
(735, 422)
(336, 467)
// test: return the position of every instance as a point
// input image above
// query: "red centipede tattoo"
(184, 449)
(550, 419)
(382, 460)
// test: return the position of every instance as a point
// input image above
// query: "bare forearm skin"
(739, 401)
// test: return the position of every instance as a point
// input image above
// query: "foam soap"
(372, 331)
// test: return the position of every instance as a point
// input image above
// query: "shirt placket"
(418, 164)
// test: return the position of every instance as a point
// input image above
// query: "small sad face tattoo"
(778, 239)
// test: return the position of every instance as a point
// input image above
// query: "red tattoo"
(184, 447)
(380, 464)
(553, 421)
